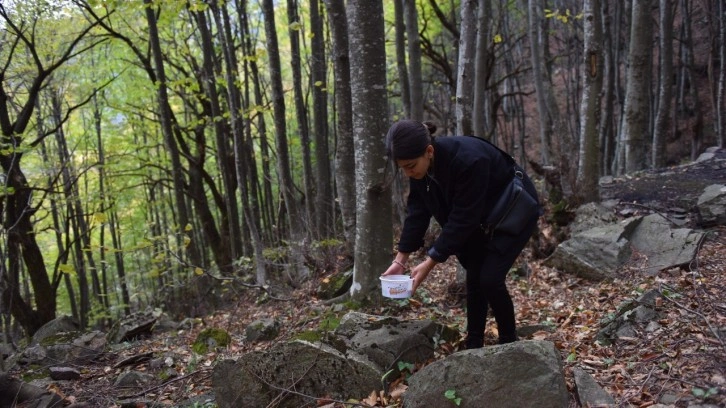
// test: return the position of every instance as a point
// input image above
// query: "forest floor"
(681, 363)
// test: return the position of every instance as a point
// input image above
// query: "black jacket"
(467, 177)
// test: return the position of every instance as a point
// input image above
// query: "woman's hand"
(421, 271)
(398, 266)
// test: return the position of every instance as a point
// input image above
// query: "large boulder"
(664, 246)
(521, 374)
(62, 324)
(358, 357)
(712, 205)
(596, 253)
(293, 373)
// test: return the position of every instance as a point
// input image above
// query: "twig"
(699, 314)
(164, 384)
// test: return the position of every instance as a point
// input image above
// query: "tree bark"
(297, 266)
(636, 109)
(374, 239)
(344, 151)
(465, 78)
(414, 59)
(665, 90)
(588, 173)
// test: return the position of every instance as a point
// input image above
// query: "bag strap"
(508, 157)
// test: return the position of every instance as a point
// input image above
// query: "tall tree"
(373, 242)
(17, 209)
(665, 90)
(324, 211)
(636, 109)
(414, 59)
(157, 73)
(465, 78)
(400, 35)
(588, 173)
(283, 156)
(294, 26)
(721, 88)
(344, 151)
(482, 71)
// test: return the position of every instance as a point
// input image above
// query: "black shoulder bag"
(515, 208)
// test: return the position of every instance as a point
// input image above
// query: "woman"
(457, 180)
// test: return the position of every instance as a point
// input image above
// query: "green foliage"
(210, 339)
(451, 396)
(704, 394)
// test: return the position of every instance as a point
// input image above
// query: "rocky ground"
(679, 363)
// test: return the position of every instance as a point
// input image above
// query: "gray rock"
(133, 379)
(262, 330)
(597, 253)
(62, 324)
(589, 392)
(312, 370)
(663, 246)
(712, 205)
(591, 215)
(64, 373)
(67, 348)
(521, 374)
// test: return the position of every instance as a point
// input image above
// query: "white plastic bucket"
(396, 286)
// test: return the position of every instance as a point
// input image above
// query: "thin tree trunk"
(607, 121)
(344, 152)
(721, 92)
(414, 59)
(482, 71)
(636, 108)
(324, 214)
(165, 119)
(294, 26)
(592, 73)
(400, 34)
(466, 78)
(234, 100)
(299, 270)
(665, 91)
(539, 73)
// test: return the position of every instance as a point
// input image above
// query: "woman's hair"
(408, 139)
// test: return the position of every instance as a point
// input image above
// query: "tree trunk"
(165, 121)
(344, 152)
(721, 91)
(465, 78)
(324, 214)
(414, 59)
(665, 91)
(592, 73)
(540, 77)
(482, 71)
(301, 114)
(400, 34)
(636, 108)
(607, 121)
(374, 241)
(299, 270)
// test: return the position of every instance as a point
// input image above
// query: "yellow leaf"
(295, 25)
(99, 218)
(497, 38)
(198, 271)
(188, 227)
(187, 241)
(66, 268)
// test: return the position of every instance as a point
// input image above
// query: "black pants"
(486, 271)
